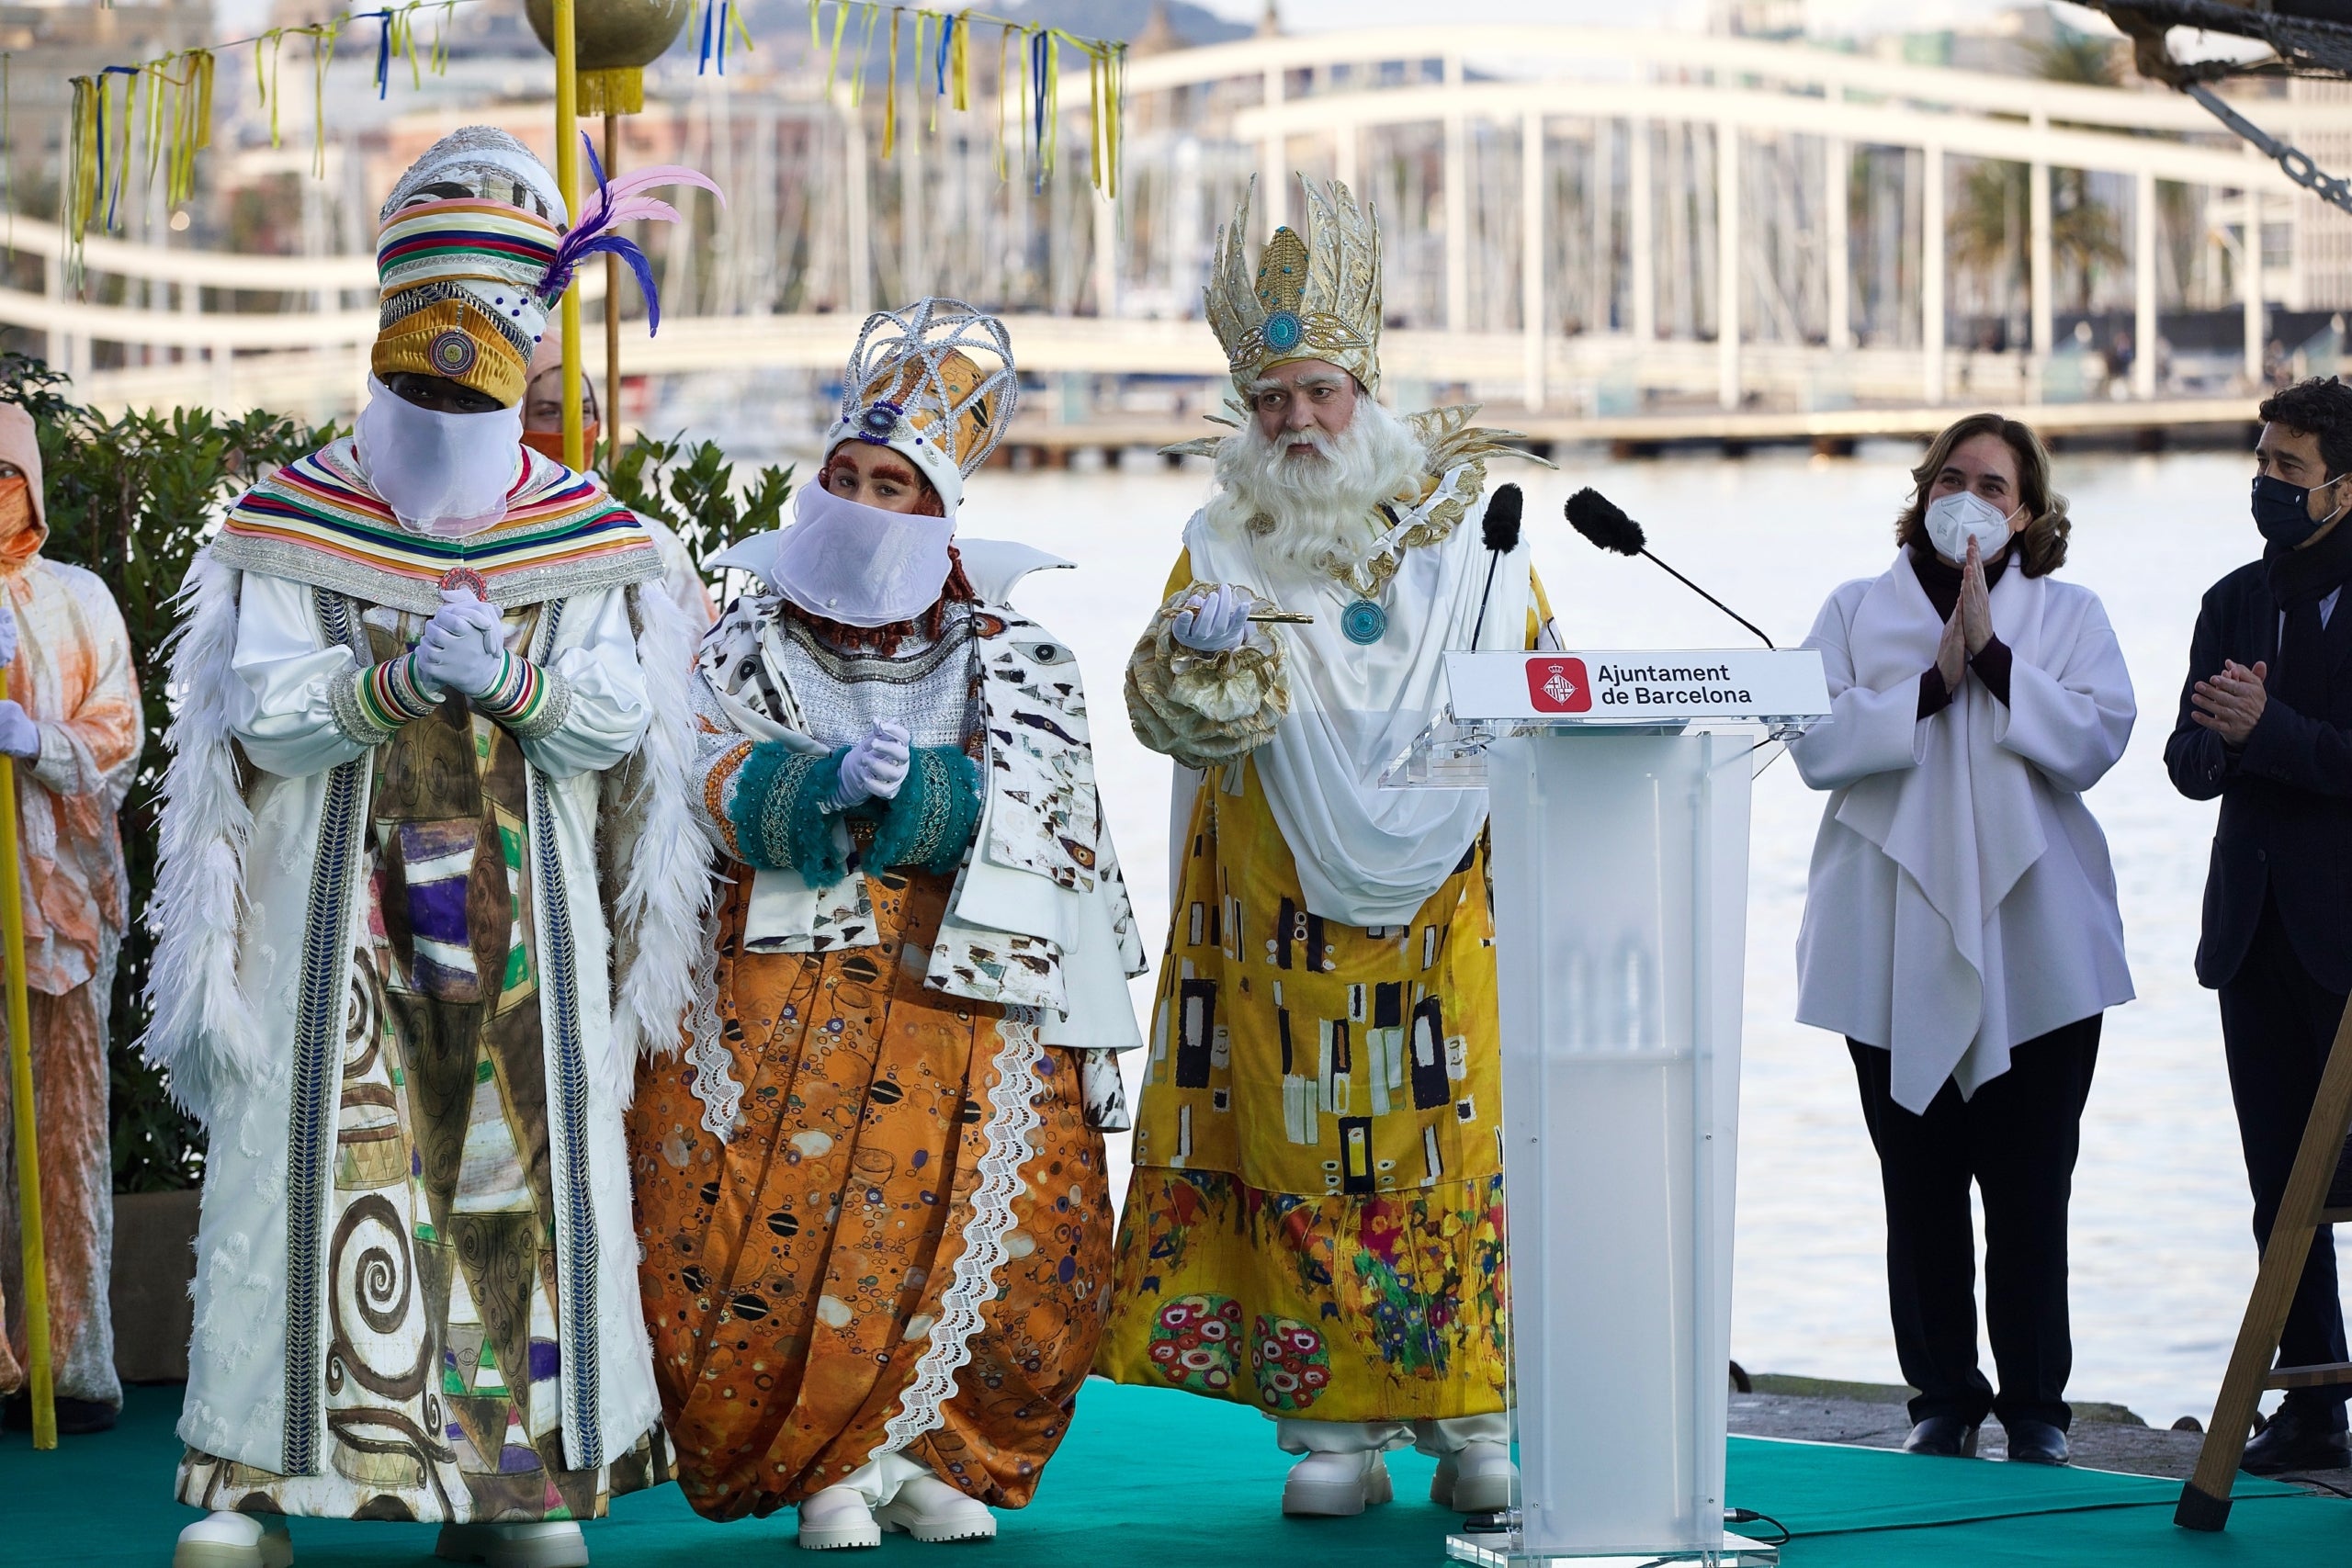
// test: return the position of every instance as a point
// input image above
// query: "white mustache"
(1293, 439)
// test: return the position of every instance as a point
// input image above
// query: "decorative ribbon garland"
(103, 134)
(1028, 81)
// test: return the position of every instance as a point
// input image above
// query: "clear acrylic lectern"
(1618, 788)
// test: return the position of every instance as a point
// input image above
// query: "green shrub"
(131, 498)
(691, 488)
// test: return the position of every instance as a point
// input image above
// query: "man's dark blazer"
(2286, 795)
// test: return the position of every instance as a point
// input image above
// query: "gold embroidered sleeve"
(1203, 709)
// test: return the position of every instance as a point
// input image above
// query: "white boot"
(555, 1544)
(1477, 1479)
(1336, 1486)
(235, 1540)
(929, 1509)
(837, 1517)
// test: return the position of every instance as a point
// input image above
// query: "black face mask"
(2281, 512)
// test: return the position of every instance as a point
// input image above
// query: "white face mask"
(443, 474)
(1954, 519)
(858, 564)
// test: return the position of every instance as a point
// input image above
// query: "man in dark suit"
(2266, 724)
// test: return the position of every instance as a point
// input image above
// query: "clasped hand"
(875, 766)
(464, 645)
(1969, 631)
(1215, 622)
(2231, 704)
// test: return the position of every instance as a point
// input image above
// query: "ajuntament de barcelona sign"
(1638, 687)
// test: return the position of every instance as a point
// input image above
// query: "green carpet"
(1155, 1480)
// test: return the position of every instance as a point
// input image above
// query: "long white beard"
(1316, 512)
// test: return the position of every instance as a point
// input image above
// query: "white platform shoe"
(1477, 1480)
(1336, 1486)
(235, 1540)
(923, 1506)
(929, 1509)
(836, 1519)
(555, 1544)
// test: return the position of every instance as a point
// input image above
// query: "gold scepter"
(21, 1038)
(1280, 619)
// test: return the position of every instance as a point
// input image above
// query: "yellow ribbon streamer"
(890, 102)
(179, 98)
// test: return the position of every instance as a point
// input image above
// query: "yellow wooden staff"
(21, 1038)
(567, 179)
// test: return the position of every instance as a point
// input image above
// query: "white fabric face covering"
(858, 564)
(446, 475)
(1954, 519)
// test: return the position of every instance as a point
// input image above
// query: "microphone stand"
(1494, 559)
(1711, 599)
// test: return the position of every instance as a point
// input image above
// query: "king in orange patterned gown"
(871, 1193)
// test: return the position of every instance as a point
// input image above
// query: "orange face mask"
(20, 539)
(549, 442)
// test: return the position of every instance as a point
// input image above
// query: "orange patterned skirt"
(903, 1245)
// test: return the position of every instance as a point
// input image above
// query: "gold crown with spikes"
(1312, 299)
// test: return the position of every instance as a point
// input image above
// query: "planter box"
(154, 1263)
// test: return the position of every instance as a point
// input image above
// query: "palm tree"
(2078, 58)
(1982, 232)
(2083, 232)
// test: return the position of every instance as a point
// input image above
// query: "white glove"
(875, 768)
(19, 736)
(464, 645)
(1215, 622)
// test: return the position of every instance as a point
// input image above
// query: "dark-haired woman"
(1961, 928)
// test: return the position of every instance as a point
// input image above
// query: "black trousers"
(2015, 1140)
(2278, 1025)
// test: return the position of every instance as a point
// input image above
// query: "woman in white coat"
(1960, 927)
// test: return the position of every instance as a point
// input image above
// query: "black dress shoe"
(2296, 1440)
(1947, 1436)
(2035, 1442)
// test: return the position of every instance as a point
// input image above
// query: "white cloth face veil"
(443, 474)
(858, 564)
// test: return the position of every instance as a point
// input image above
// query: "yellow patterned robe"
(1315, 1222)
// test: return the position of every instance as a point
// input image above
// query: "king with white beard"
(1315, 1222)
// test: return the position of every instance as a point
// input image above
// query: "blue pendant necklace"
(1364, 622)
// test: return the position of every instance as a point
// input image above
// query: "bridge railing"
(199, 336)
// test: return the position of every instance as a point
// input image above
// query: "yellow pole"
(567, 179)
(611, 410)
(20, 1037)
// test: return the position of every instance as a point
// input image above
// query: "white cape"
(240, 865)
(1961, 900)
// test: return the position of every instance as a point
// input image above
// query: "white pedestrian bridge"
(1630, 218)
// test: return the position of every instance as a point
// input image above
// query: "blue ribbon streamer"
(946, 39)
(1037, 97)
(113, 191)
(1038, 85)
(709, 13)
(383, 50)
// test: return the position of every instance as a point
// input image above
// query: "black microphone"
(1500, 529)
(1602, 522)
